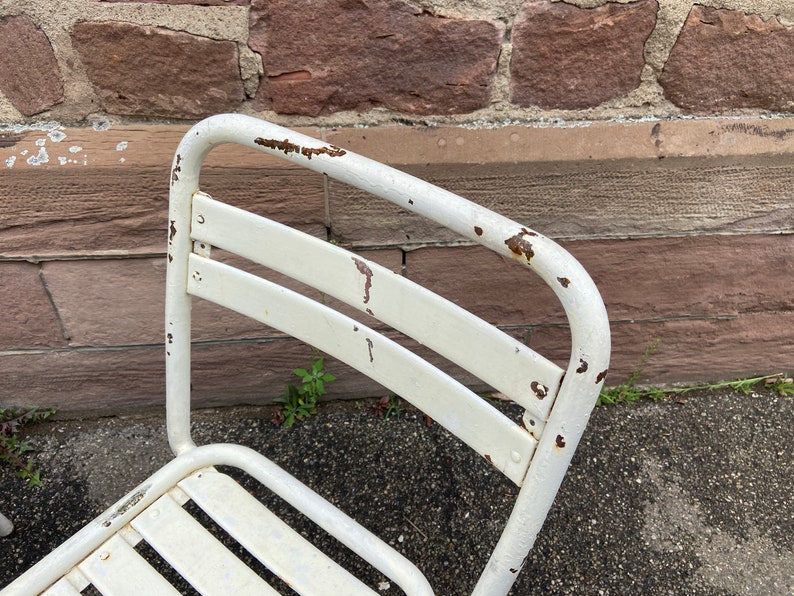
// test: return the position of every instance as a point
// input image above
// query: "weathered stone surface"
(726, 59)
(29, 74)
(155, 72)
(354, 55)
(28, 319)
(572, 58)
(643, 279)
(193, 2)
(124, 303)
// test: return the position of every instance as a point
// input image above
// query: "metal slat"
(196, 554)
(493, 356)
(62, 587)
(486, 430)
(285, 552)
(117, 569)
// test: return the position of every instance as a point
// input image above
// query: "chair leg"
(6, 527)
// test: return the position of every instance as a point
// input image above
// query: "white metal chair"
(534, 455)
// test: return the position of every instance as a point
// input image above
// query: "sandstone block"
(29, 74)
(566, 57)
(28, 319)
(354, 55)
(155, 72)
(726, 59)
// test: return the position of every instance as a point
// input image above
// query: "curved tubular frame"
(572, 285)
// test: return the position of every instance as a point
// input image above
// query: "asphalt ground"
(691, 496)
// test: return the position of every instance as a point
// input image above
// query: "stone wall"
(653, 138)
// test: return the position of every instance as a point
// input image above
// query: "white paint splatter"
(40, 158)
(56, 136)
(40, 142)
(122, 160)
(62, 160)
(121, 146)
(10, 161)
(101, 125)
(75, 149)
(24, 152)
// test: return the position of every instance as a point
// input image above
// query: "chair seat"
(114, 566)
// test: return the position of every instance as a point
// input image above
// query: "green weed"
(301, 402)
(13, 450)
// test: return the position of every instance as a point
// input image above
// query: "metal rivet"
(515, 456)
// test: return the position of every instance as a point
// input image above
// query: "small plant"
(629, 392)
(300, 403)
(12, 449)
(387, 407)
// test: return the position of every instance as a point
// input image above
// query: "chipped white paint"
(41, 142)
(10, 161)
(62, 160)
(40, 158)
(101, 125)
(121, 146)
(75, 149)
(189, 272)
(56, 136)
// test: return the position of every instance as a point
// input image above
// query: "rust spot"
(513, 570)
(488, 458)
(170, 338)
(602, 375)
(560, 440)
(478, 230)
(539, 389)
(175, 174)
(582, 366)
(364, 270)
(520, 246)
(410, 201)
(172, 230)
(369, 347)
(284, 145)
(370, 313)
(287, 147)
(330, 151)
(355, 327)
(564, 281)
(170, 258)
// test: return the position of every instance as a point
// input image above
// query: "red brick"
(28, 320)
(155, 72)
(572, 58)
(352, 55)
(726, 59)
(29, 74)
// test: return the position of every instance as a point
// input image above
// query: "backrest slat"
(486, 430)
(499, 360)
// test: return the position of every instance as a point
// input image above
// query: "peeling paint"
(121, 146)
(40, 158)
(10, 161)
(75, 149)
(56, 136)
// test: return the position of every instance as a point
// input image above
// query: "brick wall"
(653, 138)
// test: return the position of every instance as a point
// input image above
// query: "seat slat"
(63, 587)
(486, 430)
(493, 356)
(284, 551)
(196, 554)
(117, 569)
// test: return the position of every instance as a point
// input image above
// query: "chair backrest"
(533, 454)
